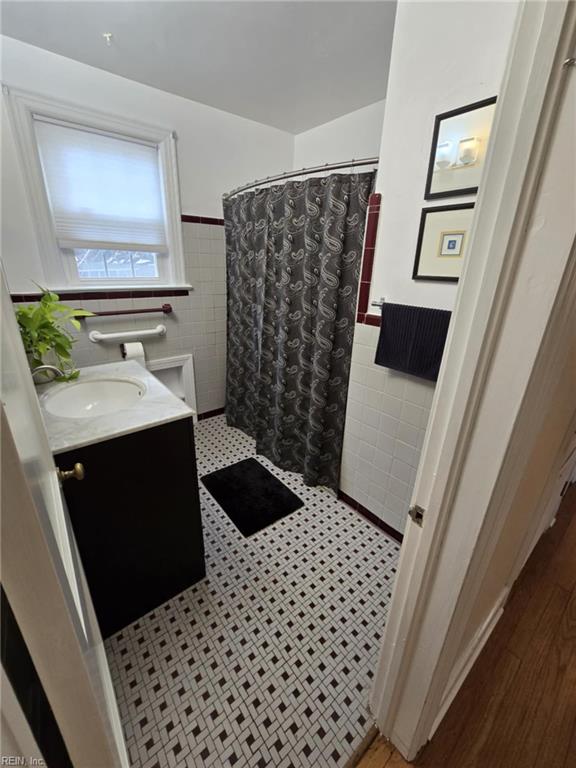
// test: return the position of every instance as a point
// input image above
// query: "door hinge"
(417, 514)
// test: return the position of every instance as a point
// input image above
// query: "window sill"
(81, 293)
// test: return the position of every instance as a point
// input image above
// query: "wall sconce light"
(468, 151)
(443, 157)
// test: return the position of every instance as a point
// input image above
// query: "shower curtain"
(293, 262)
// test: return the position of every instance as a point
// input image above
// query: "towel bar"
(165, 309)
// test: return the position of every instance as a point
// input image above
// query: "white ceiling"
(292, 65)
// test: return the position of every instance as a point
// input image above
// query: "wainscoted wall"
(197, 324)
(386, 417)
(387, 412)
(217, 150)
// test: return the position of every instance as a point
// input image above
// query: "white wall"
(444, 55)
(197, 324)
(351, 136)
(387, 412)
(216, 150)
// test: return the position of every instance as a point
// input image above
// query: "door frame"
(434, 588)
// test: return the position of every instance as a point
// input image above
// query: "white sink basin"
(93, 397)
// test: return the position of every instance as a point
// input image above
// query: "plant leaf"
(43, 326)
(83, 313)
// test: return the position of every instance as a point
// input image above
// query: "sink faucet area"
(47, 369)
(106, 401)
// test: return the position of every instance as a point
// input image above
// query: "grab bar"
(96, 336)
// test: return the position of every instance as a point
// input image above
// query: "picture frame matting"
(431, 264)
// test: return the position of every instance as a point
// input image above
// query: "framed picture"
(442, 242)
(458, 150)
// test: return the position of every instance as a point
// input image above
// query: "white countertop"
(157, 406)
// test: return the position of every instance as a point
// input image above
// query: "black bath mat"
(251, 496)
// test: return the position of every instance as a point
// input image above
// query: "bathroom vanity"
(136, 512)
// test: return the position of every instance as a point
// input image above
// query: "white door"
(73, 630)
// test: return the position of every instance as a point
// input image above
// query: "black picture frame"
(423, 216)
(428, 194)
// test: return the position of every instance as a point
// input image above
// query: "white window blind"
(104, 191)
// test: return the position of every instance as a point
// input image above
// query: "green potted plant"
(43, 330)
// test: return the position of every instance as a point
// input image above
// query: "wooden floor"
(517, 708)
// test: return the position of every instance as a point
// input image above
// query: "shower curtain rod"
(302, 172)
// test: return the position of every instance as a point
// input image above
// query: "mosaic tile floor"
(269, 660)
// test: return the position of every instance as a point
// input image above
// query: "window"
(106, 264)
(105, 194)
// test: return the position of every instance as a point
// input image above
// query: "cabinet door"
(136, 516)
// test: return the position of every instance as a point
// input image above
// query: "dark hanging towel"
(412, 339)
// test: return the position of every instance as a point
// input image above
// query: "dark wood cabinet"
(136, 518)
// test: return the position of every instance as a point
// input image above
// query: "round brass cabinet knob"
(77, 473)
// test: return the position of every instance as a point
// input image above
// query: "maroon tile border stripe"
(104, 294)
(201, 220)
(392, 532)
(368, 256)
(209, 414)
(123, 293)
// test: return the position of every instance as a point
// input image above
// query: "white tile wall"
(197, 324)
(386, 418)
(387, 412)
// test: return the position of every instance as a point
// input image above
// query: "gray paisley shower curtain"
(293, 263)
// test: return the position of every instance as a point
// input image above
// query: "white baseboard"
(397, 741)
(469, 656)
